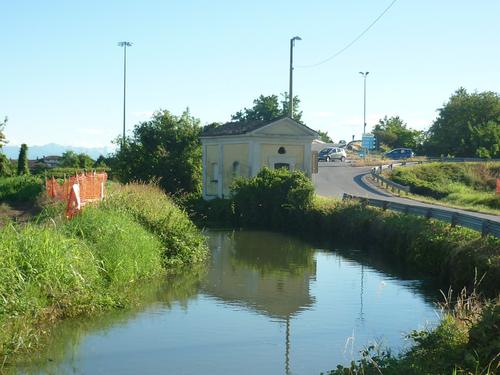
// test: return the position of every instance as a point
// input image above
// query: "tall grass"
(465, 341)
(56, 268)
(466, 184)
(122, 248)
(182, 242)
(44, 275)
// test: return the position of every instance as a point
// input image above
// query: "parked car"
(332, 153)
(342, 143)
(400, 153)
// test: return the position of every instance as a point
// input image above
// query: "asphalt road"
(335, 179)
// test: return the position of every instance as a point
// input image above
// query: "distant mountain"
(12, 151)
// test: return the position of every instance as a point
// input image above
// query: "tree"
(467, 125)
(324, 136)
(101, 162)
(5, 166)
(167, 149)
(393, 132)
(85, 161)
(268, 108)
(3, 140)
(22, 161)
(70, 159)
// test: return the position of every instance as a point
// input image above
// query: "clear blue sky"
(61, 70)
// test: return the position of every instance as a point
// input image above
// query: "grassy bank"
(56, 268)
(468, 185)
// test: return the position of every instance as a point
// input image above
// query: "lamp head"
(124, 44)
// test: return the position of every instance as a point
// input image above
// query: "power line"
(352, 42)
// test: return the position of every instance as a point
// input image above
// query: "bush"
(5, 166)
(67, 172)
(264, 200)
(20, 189)
(214, 213)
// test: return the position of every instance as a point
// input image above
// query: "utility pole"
(290, 91)
(124, 45)
(364, 101)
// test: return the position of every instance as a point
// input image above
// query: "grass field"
(466, 185)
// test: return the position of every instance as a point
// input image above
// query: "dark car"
(332, 153)
(400, 153)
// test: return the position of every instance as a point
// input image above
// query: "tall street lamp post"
(290, 91)
(364, 74)
(124, 45)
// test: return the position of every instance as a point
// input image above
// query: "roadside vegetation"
(53, 268)
(466, 341)
(456, 257)
(20, 189)
(468, 185)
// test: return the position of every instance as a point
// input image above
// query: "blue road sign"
(368, 141)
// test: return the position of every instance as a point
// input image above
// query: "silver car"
(332, 153)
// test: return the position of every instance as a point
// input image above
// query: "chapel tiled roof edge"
(237, 128)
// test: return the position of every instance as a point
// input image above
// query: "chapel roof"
(239, 127)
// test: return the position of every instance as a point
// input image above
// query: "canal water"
(264, 303)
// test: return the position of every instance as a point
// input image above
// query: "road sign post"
(368, 143)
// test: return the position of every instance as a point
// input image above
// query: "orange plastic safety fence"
(78, 190)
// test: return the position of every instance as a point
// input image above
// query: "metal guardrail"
(394, 186)
(484, 226)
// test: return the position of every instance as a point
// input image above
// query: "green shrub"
(20, 189)
(484, 337)
(214, 213)
(67, 172)
(5, 166)
(264, 200)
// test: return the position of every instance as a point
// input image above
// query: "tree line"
(468, 125)
(167, 147)
(69, 159)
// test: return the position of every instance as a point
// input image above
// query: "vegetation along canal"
(263, 303)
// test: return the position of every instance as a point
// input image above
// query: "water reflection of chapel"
(270, 276)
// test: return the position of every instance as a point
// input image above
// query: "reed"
(464, 342)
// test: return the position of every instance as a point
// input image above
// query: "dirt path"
(18, 212)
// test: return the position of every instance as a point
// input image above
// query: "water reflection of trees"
(62, 343)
